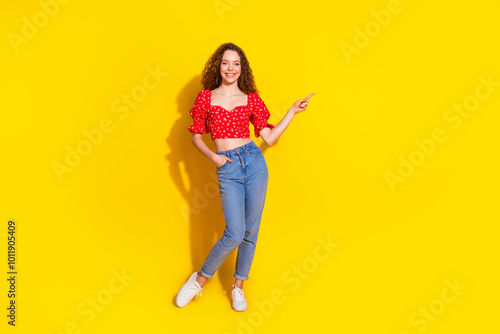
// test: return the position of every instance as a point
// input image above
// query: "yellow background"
(143, 200)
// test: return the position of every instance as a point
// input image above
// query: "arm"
(198, 142)
(271, 135)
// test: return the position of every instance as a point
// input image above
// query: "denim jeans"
(243, 187)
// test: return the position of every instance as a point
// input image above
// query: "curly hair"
(212, 79)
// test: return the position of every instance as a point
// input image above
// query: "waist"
(223, 145)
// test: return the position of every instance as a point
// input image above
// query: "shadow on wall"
(199, 187)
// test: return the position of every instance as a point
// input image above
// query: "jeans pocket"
(223, 165)
(254, 151)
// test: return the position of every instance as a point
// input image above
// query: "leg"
(238, 283)
(232, 194)
(256, 180)
(201, 279)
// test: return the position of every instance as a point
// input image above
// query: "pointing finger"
(309, 96)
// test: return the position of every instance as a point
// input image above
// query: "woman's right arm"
(217, 159)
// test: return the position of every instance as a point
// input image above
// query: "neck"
(229, 89)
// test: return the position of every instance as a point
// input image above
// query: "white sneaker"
(190, 289)
(239, 302)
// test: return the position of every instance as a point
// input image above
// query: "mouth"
(231, 75)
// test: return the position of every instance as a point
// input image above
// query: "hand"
(300, 105)
(220, 159)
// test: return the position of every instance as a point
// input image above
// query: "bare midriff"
(230, 143)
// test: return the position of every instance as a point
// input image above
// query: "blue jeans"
(243, 187)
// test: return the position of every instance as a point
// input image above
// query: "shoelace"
(198, 292)
(240, 291)
(193, 289)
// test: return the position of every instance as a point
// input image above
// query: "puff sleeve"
(199, 113)
(259, 115)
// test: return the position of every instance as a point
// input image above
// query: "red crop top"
(222, 123)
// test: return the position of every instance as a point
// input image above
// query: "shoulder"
(253, 97)
(203, 96)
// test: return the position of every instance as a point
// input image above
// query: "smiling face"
(230, 67)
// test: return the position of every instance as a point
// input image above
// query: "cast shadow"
(202, 210)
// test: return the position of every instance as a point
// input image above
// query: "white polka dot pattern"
(222, 123)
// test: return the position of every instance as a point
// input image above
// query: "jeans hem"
(205, 274)
(243, 278)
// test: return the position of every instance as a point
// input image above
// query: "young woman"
(224, 108)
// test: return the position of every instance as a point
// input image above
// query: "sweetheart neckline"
(214, 105)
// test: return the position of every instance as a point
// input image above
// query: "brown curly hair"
(212, 79)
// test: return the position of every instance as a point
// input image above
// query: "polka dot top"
(234, 123)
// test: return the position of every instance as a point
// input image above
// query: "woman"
(226, 105)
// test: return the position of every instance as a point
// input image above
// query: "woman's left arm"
(271, 135)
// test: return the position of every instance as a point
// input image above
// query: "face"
(230, 67)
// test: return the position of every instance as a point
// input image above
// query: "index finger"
(307, 98)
